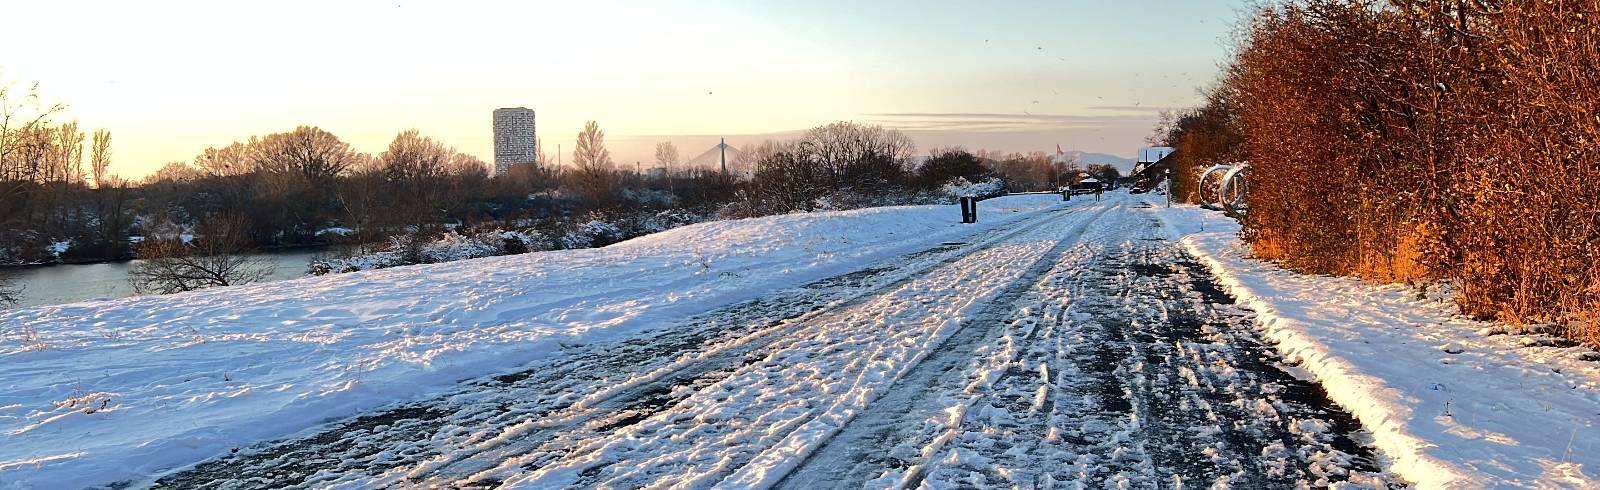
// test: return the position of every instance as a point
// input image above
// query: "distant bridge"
(712, 157)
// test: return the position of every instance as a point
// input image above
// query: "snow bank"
(1452, 406)
(105, 391)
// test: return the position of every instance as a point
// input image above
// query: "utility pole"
(723, 148)
(558, 154)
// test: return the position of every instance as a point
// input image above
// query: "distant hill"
(710, 158)
(1124, 165)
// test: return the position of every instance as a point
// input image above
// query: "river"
(67, 283)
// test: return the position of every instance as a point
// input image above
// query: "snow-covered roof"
(1152, 154)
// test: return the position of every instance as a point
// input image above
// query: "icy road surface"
(1075, 347)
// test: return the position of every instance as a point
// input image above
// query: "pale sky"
(169, 79)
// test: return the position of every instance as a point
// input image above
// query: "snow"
(1455, 403)
(1152, 154)
(750, 428)
(59, 247)
(588, 233)
(106, 391)
(335, 231)
(410, 249)
(1071, 343)
(959, 187)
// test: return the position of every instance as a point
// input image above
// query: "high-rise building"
(514, 138)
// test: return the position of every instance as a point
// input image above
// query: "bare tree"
(593, 166)
(864, 157)
(100, 156)
(416, 165)
(173, 171)
(667, 155)
(465, 175)
(235, 159)
(787, 178)
(315, 154)
(464, 165)
(749, 156)
(1105, 172)
(361, 196)
(21, 115)
(216, 257)
(543, 157)
(112, 218)
(946, 164)
(10, 293)
(67, 162)
(412, 157)
(1034, 171)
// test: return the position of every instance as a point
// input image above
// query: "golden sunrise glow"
(172, 78)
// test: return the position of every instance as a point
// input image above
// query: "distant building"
(514, 138)
(1153, 167)
(1152, 154)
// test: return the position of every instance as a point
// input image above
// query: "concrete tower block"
(514, 138)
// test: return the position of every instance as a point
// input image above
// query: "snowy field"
(1076, 347)
(100, 392)
(1456, 403)
(1054, 345)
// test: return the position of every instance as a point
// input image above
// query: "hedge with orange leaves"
(1418, 140)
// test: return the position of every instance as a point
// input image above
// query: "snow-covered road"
(1121, 366)
(1075, 346)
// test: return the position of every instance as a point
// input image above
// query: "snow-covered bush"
(573, 241)
(454, 246)
(959, 187)
(824, 203)
(852, 199)
(335, 231)
(594, 233)
(594, 230)
(650, 197)
(663, 221)
(411, 249)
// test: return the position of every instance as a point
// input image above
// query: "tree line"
(193, 220)
(1420, 140)
(54, 181)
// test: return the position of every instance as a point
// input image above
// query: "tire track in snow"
(813, 380)
(615, 411)
(1064, 390)
(500, 416)
(1202, 401)
(876, 445)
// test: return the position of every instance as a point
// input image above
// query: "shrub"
(958, 187)
(1422, 140)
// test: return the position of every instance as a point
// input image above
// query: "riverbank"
(129, 257)
(52, 284)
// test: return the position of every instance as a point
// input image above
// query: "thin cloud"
(741, 135)
(984, 116)
(979, 121)
(1130, 108)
